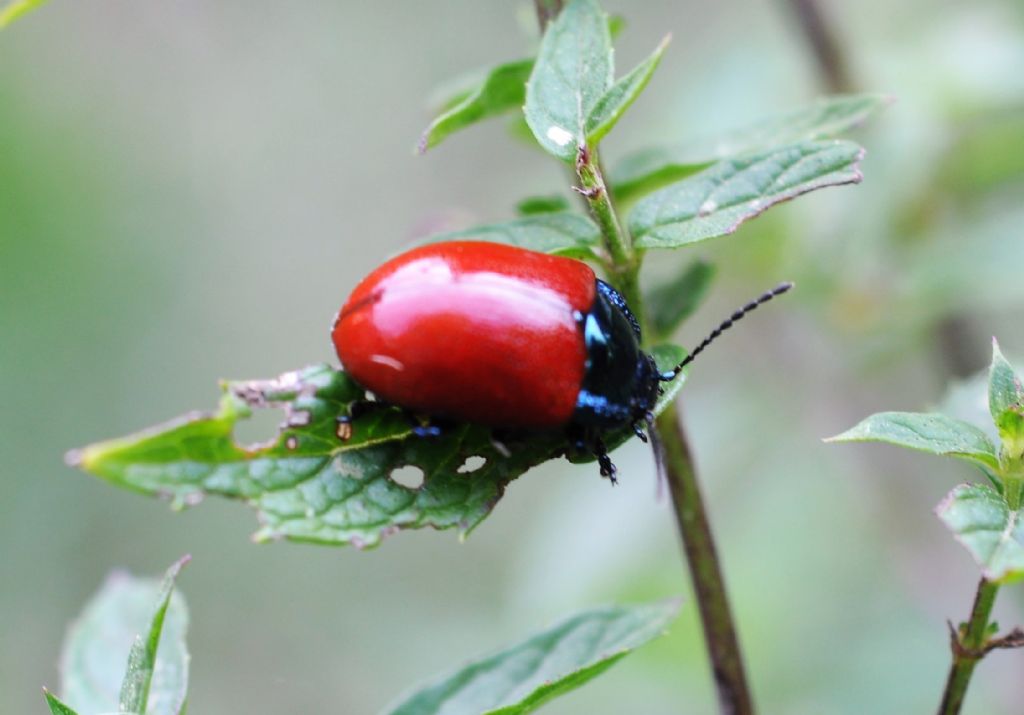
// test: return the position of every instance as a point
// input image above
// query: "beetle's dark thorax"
(621, 381)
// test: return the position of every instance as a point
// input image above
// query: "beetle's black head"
(621, 382)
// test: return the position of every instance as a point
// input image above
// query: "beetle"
(508, 338)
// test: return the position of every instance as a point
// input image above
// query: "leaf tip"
(178, 565)
(74, 457)
(423, 144)
(87, 458)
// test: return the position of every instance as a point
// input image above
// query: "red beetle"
(506, 337)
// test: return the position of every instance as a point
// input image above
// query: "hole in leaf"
(260, 430)
(409, 476)
(472, 464)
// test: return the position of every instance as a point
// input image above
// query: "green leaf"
(502, 89)
(573, 71)
(672, 302)
(716, 201)
(981, 520)
(522, 678)
(646, 170)
(1006, 403)
(533, 205)
(623, 93)
(310, 484)
(563, 234)
(317, 482)
(931, 433)
(100, 641)
(56, 706)
(16, 8)
(135, 688)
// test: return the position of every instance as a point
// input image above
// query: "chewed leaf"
(323, 480)
(562, 233)
(648, 169)
(317, 480)
(981, 520)
(716, 201)
(570, 77)
(502, 89)
(99, 644)
(932, 433)
(521, 678)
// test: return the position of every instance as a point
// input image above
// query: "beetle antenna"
(725, 325)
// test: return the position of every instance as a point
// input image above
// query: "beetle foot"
(639, 432)
(426, 431)
(608, 468)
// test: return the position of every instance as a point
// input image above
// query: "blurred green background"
(189, 190)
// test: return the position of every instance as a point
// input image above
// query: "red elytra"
(474, 331)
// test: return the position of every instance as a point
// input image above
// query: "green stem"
(702, 558)
(1012, 487)
(595, 191)
(968, 646)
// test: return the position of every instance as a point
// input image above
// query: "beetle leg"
(363, 407)
(607, 466)
(426, 430)
(639, 432)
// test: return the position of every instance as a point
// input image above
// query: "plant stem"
(826, 48)
(623, 265)
(546, 11)
(1012, 487)
(968, 648)
(708, 584)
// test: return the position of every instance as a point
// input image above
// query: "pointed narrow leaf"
(925, 432)
(981, 520)
(56, 706)
(522, 678)
(648, 169)
(1006, 403)
(99, 642)
(502, 89)
(623, 93)
(572, 73)
(672, 302)
(562, 233)
(135, 688)
(312, 481)
(719, 199)
(16, 8)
